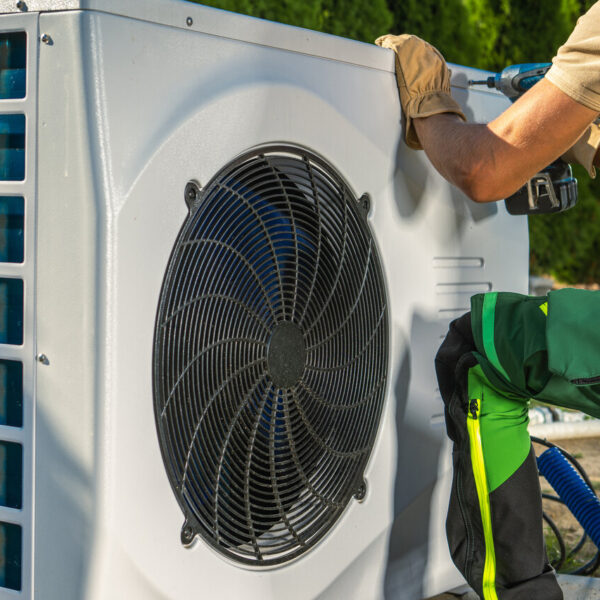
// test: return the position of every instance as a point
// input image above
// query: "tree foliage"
(465, 31)
(489, 34)
(567, 245)
(355, 19)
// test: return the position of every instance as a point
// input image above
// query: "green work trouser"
(508, 349)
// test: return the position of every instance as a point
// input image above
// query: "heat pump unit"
(223, 280)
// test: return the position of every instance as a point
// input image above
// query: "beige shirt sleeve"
(576, 67)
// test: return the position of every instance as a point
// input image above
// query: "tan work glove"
(584, 150)
(423, 81)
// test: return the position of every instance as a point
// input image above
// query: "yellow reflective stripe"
(489, 568)
(544, 308)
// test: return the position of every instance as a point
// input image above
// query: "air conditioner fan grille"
(270, 356)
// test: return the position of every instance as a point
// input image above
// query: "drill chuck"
(515, 80)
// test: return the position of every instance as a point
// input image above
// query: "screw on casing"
(191, 193)
(361, 492)
(187, 535)
(364, 204)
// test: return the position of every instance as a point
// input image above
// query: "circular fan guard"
(270, 356)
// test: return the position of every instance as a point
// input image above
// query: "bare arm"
(490, 162)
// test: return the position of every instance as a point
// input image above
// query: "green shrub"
(355, 19)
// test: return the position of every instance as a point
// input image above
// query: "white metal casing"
(132, 103)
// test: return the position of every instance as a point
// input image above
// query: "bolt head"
(187, 535)
(189, 21)
(361, 492)
(191, 193)
(364, 204)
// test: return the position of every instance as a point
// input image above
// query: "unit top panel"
(212, 21)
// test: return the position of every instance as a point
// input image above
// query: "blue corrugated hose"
(572, 490)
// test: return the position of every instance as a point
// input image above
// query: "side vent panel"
(18, 65)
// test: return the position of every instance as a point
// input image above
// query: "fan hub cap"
(286, 356)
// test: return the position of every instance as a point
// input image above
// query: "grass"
(571, 563)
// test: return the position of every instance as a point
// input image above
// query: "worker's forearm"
(490, 162)
(473, 158)
(463, 153)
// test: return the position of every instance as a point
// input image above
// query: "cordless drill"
(554, 189)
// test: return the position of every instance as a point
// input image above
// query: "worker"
(509, 347)
(491, 161)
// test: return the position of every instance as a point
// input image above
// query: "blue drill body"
(515, 80)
